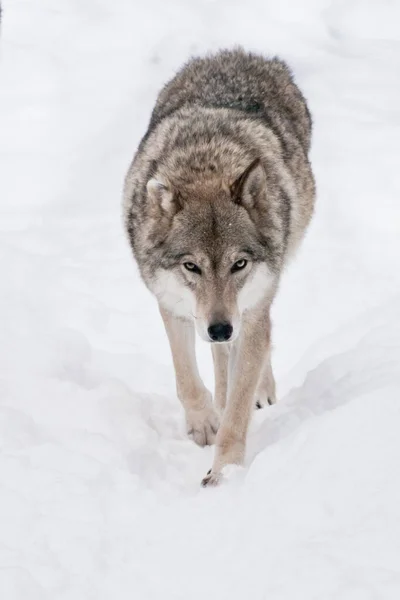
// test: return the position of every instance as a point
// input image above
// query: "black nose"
(220, 332)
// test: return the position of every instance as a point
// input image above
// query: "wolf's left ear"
(250, 187)
(161, 197)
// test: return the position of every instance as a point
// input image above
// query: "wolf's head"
(212, 258)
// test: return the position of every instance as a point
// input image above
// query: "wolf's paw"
(227, 473)
(202, 425)
(263, 401)
(211, 479)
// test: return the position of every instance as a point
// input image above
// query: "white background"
(99, 486)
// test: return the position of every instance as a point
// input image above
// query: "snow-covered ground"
(99, 487)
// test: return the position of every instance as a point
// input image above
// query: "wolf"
(216, 201)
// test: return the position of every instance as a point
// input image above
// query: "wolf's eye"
(239, 265)
(192, 267)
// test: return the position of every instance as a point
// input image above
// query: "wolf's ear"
(250, 187)
(161, 197)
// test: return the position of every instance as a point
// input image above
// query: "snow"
(99, 486)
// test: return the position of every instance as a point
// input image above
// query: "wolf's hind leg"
(220, 353)
(201, 418)
(265, 392)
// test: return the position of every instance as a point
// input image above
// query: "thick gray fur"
(217, 198)
(210, 121)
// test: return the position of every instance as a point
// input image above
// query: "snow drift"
(99, 486)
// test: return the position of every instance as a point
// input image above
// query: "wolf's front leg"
(201, 419)
(251, 350)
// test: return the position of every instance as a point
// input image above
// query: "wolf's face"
(212, 265)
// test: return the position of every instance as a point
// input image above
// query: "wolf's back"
(262, 88)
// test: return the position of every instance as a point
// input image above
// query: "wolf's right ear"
(161, 197)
